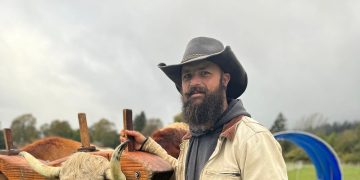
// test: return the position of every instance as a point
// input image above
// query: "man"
(223, 142)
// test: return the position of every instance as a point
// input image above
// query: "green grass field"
(307, 172)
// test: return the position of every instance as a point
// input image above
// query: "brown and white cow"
(52, 148)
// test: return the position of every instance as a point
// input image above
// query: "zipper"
(235, 174)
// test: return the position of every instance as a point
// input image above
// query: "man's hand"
(138, 137)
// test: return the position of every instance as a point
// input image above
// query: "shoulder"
(251, 125)
(243, 127)
(248, 128)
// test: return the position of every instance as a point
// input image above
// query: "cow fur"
(170, 137)
(83, 165)
(52, 148)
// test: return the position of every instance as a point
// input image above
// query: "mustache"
(196, 89)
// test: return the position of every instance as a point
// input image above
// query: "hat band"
(192, 56)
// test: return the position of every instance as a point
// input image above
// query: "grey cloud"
(301, 56)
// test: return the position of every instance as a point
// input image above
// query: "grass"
(307, 171)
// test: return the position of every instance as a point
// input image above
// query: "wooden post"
(9, 146)
(8, 139)
(84, 134)
(128, 125)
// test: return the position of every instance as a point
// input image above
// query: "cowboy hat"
(209, 49)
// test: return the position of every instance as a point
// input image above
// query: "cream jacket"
(245, 150)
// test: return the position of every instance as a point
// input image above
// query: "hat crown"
(201, 46)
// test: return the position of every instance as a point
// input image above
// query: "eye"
(204, 73)
(186, 77)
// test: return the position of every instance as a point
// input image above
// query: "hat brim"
(226, 60)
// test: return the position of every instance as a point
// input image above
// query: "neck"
(225, 103)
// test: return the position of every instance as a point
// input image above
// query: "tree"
(311, 122)
(57, 128)
(346, 141)
(140, 122)
(179, 117)
(103, 133)
(296, 154)
(24, 130)
(151, 126)
(279, 124)
(76, 135)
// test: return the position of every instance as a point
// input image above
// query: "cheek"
(214, 85)
(184, 88)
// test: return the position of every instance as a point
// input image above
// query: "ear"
(226, 78)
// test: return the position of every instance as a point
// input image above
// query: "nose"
(195, 80)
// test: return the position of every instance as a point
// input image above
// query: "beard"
(202, 116)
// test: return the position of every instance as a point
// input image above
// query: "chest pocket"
(210, 174)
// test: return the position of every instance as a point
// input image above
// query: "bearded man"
(223, 142)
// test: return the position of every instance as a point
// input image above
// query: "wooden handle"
(8, 139)
(128, 125)
(84, 132)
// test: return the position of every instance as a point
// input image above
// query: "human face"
(202, 75)
(203, 116)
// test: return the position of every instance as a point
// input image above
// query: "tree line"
(102, 133)
(342, 137)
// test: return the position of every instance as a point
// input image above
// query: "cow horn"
(115, 167)
(39, 167)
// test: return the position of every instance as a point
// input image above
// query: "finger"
(122, 132)
(122, 139)
(131, 133)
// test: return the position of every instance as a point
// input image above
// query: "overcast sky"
(58, 58)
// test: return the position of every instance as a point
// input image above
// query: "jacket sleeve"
(152, 147)
(263, 158)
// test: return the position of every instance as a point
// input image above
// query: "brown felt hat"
(209, 49)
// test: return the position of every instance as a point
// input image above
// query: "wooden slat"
(84, 132)
(128, 125)
(8, 139)
(9, 146)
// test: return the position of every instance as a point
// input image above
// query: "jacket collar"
(228, 130)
